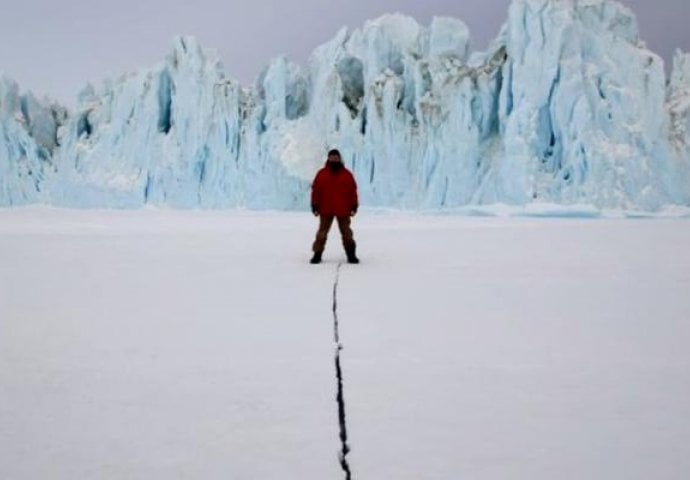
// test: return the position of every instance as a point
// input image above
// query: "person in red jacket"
(334, 196)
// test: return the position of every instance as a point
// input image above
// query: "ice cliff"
(567, 105)
(28, 141)
(679, 106)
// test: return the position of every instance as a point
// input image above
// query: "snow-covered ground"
(199, 345)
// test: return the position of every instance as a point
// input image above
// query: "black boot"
(351, 256)
(316, 259)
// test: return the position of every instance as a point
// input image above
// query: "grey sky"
(54, 47)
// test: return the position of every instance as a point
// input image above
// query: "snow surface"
(566, 106)
(171, 344)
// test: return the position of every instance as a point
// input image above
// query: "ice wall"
(588, 121)
(28, 140)
(567, 106)
(180, 134)
(679, 100)
(679, 112)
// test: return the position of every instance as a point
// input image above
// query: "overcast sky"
(55, 47)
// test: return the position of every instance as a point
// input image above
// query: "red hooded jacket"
(334, 192)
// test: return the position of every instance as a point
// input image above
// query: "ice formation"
(679, 107)
(566, 106)
(28, 141)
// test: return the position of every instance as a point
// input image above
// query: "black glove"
(315, 210)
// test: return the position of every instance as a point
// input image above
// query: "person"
(334, 197)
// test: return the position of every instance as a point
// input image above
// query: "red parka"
(334, 192)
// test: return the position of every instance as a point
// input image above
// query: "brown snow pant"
(325, 222)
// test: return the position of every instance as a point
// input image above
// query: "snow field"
(518, 348)
(158, 344)
(164, 347)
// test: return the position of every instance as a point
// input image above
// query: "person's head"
(334, 156)
(334, 162)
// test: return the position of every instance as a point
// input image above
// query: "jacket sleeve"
(316, 190)
(354, 199)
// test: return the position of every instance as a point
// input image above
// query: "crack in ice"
(345, 449)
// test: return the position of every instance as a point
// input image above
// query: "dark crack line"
(345, 449)
(336, 333)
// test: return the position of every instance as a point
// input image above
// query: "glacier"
(566, 106)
